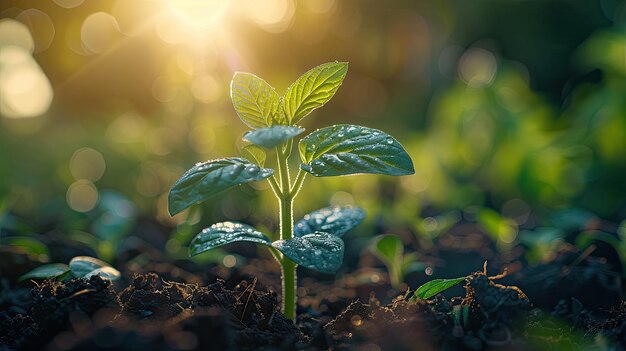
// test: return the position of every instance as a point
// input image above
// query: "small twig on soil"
(245, 307)
(567, 269)
(502, 275)
(78, 293)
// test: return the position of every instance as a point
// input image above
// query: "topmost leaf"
(256, 102)
(313, 89)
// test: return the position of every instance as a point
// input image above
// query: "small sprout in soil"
(315, 241)
(79, 267)
(390, 250)
(434, 287)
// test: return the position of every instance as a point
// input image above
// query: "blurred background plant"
(513, 112)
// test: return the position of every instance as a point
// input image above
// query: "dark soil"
(155, 314)
(572, 302)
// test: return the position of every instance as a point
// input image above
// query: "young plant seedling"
(390, 250)
(315, 241)
(79, 267)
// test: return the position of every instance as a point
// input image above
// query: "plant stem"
(297, 184)
(288, 267)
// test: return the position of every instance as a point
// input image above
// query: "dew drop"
(389, 141)
(252, 169)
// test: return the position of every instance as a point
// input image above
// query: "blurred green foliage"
(503, 112)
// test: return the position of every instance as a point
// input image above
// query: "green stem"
(297, 184)
(288, 267)
(274, 185)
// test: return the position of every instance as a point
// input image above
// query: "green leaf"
(225, 233)
(272, 136)
(210, 178)
(105, 272)
(46, 271)
(434, 287)
(333, 220)
(313, 89)
(256, 102)
(347, 149)
(254, 154)
(83, 266)
(319, 251)
(29, 244)
(389, 249)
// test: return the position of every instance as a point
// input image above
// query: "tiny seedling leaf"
(254, 154)
(225, 233)
(319, 251)
(389, 249)
(272, 136)
(434, 287)
(256, 102)
(83, 266)
(333, 220)
(348, 149)
(210, 178)
(313, 89)
(105, 272)
(46, 271)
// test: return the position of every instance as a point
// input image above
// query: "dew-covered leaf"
(46, 271)
(313, 89)
(212, 177)
(389, 249)
(105, 272)
(272, 136)
(347, 149)
(256, 102)
(225, 233)
(254, 154)
(335, 220)
(319, 251)
(81, 266)
(434, 287)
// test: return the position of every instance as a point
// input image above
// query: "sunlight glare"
(198, 14)
(274, 16)
(26, 91)
(15, 33)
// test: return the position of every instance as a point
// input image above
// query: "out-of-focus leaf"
(256, 102)
(313, 89)
(322, 252)
(117, 217)
(389, 249)
(571, 219)
(272, 136)
(347, 149)
(254, 154)
(29, 244)
(46, 271)
(333, 220)
(225, 233)
(498, 227)
(212, 177)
